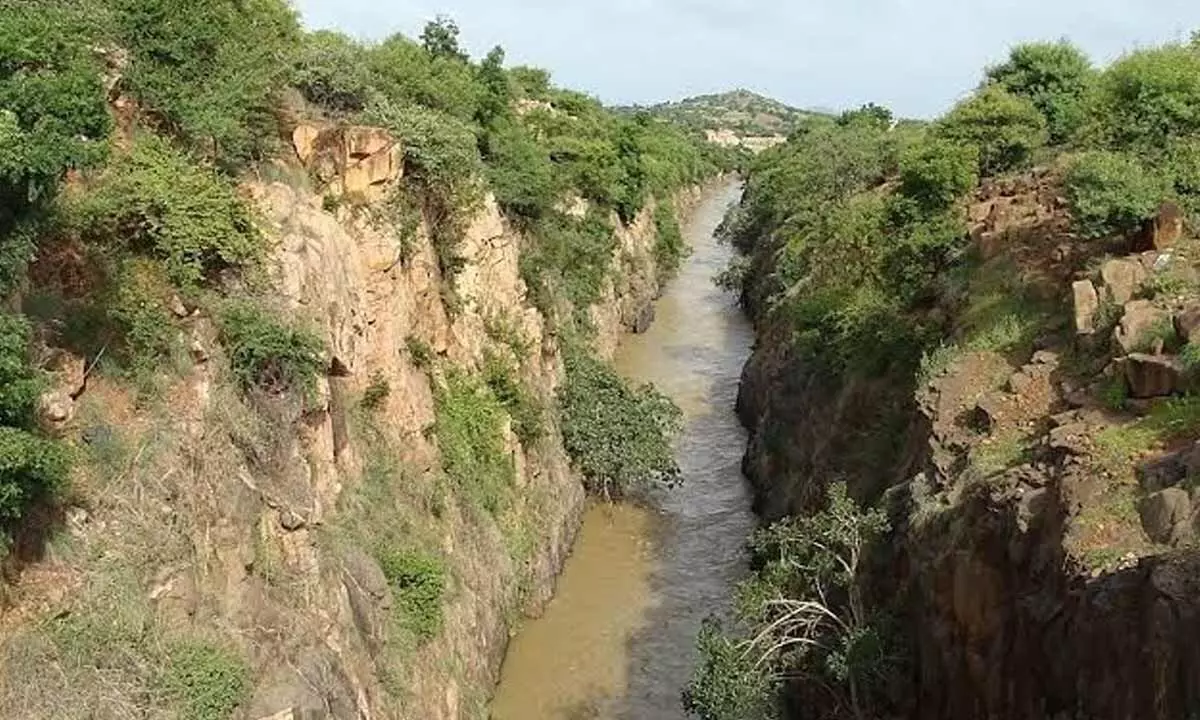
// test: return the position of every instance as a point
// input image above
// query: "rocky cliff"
(264, 524)
(1039, 491)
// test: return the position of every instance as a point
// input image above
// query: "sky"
(915, 56)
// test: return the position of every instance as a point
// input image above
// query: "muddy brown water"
(618, 640)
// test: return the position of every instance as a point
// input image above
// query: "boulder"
(1140, 321)
(1187, 322)
(1121, 279)
(69, 372)
(1166, 516)
(1165, 228)
(304, 140)
(1151, 376)
(1086, 306)
(55, 410)
(1162, 472)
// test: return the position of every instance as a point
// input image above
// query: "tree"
(495, 98)
(440, 38)
(1006, 128)
(936, 173)
(1149, 97)
(1112, 193)
(332, 71)
(870, 113)
(1055, 77)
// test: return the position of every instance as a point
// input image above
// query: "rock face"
(1086, 305)
(250, 515)
(1121, 279)
(1141, 326)
(351, 161)
(1164, 230)
(1151, 376)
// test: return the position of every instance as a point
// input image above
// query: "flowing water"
(618, 640)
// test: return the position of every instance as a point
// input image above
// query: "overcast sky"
(916, 56)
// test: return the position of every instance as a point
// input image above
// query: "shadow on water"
(618, 641)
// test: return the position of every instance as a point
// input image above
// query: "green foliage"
(728, 684)
(20, 384)
(470, 436)
(570, 257)
(205, 682)
(267, 355)
(1150, 97)
(870, 113)
(377, 392)
(137, 307)
(419, 351)
(1056, 77)
(405, 73)
(525, 409)
(440, 38)
(669, 246)
(211, 71)
(1111, 193)
(332, 71)
(158, 201)
(52, 115)
(937, 173)
(619, 437)
(519, 172)
(1006, 128)
(31, 469)
(418, 581)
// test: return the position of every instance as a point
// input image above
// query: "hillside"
(731, 117)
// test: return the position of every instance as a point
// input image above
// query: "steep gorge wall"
(257, 525)
(1001, 617)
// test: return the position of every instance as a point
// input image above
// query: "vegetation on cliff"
(862, 272)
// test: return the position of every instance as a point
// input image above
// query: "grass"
(418, 581)
(999, 453)
(470, 436)
(203, 681)
(419, 352)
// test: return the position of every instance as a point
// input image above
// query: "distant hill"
(744, 113)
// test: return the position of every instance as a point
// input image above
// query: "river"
(618, 640)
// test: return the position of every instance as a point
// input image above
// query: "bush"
(419, 583)
(522, 406)
(376, 393)
(211, 70)
(419, 352)
(1149, 97)
(407, 74)
(669, 246)
(1056, 77)
(519, 172)
(1006, 128)
(156, 200)
(53, 115)
(570, 257)
(937, 173)
(267, 355)
(727, 683)
(470, 436)
(618, 437)
(205, 682)
(332, 71)
(31, 469)
(1111, 193)
(20, 384)
(138, 309)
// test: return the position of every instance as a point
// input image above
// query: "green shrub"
(332, 71)
(20, 384)
(418, 581)
(138, 310)
(470, 435)
(1111, 193)
(620, 438)
(267, 355)
(937, 173)
(522, 406)
(1150, 97)
(53, 115)
(1006, 128)
(407, 74)
(377, 392)
(569, 257)
(31, 469)
(419, 352)
(204, 682)
(669, 246)
(519, 172)
(728, 684)
(1056, 77)
(158, 201)
(211, 71)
